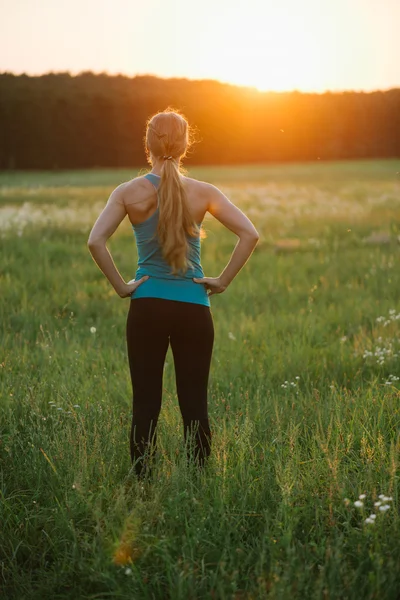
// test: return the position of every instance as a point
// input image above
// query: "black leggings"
(152, 324)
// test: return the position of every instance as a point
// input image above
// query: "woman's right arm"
(236, 221)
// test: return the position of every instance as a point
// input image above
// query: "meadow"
(300, 498)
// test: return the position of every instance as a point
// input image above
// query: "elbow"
(250, 235)
(93, 243)
(253, 237)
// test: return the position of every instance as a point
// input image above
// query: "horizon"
(318, 47)
(198, 79)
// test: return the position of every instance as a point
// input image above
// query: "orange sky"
(310, 45)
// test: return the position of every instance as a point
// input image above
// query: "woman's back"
(140, 198)
(162, 282)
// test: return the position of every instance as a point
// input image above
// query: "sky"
(308, 45)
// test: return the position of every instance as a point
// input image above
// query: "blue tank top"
(162, 283)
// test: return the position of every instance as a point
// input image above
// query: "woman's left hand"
(213, 284)
(131, 286)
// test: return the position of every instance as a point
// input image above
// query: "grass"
(304, 402)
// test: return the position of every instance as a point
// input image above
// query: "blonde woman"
(170, 296)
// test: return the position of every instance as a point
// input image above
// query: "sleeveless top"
(162, 283)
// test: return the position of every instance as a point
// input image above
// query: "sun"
(278, 48)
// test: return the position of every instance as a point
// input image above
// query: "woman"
(169, 296)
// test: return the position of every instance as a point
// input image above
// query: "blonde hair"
(168, 135)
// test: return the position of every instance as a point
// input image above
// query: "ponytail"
(175, 220)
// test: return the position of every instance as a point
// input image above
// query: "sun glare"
(272, 47)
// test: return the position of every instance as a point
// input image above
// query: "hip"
(178, 290)
(158, 316)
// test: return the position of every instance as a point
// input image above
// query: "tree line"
(60, 121)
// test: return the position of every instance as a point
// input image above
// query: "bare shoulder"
(202, 188)
(117, 195)
(126, 186)
(137, 190)
(136, 184)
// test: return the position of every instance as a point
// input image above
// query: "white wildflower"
(358, 503)
(93, 330)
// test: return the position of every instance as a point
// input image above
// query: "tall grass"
(304, 401)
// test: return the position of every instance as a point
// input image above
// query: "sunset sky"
(310, 45)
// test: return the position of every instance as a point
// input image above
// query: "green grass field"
(304, 398)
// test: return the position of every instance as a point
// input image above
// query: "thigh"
(192, 340)
(147, 339)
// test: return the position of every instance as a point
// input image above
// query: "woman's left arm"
(112, 215)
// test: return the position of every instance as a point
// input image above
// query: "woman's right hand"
(213, 284)
(131, 286)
